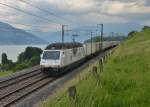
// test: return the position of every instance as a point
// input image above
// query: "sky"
(120, 16)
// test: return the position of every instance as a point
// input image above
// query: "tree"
(29, 53)
(132, 33)
(145, 27)
(28, 58)
(6, 64)
(4, 58)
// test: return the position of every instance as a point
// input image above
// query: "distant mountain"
(10, 35)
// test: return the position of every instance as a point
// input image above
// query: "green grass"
(6, 73)
(125, 81)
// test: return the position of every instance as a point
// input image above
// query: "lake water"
(13, 51)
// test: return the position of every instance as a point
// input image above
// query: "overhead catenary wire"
(36, 29)
(32, 14)
(44, 10)
(29, 13)
(17, 23)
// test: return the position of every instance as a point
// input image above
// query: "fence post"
(96, 74)
(72, 93)
(101, 65)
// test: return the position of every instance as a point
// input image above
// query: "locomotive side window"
(63, 54)
(74, 51)
(52, 55)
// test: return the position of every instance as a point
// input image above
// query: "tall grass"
(125, 81)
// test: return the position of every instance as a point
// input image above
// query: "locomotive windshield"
(53, 55)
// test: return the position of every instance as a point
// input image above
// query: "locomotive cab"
(50, 59)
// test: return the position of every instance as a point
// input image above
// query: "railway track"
(18, 78)
(20, 87)
(15, 89)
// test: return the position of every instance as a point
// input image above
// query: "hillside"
(125, 81)
(109, 38)
(13, 36)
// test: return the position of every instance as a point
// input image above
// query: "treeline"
(132, 33)
(110, 38)
(28, 58)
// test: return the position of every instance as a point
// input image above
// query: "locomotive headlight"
(56, 61)
(43, 61)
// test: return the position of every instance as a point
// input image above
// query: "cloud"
(50, 27)
(95, 18)
(72, 5)
(118, 7)
(80, 12)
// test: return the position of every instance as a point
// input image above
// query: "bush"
(34, 60)
(20, 66)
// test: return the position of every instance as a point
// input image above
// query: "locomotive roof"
(56, 46)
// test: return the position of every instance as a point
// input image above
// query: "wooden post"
(96, 74)
(95, 70)
(72, 93)
(101, 65)
(105, 58)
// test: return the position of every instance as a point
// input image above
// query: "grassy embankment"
(6, 73)
(125, 81)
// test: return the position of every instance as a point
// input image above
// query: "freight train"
(58, 58)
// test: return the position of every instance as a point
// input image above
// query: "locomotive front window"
(53, 55)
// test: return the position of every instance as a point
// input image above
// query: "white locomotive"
(58, 58)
